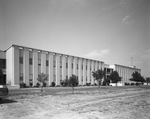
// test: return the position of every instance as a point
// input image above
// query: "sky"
(113, 31)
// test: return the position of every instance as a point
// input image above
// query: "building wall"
(25, 64)
(12, 65)
(125, 72)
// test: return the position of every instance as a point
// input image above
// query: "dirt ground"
(97, 103)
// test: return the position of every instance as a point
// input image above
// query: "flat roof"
(13, 45)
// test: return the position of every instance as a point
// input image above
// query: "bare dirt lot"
(87, 103)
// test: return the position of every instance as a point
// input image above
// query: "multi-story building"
(24, 64)
(125, 72)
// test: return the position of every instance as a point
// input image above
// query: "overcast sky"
(112, 31)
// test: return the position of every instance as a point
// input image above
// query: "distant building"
(24, 64)
(125, 72)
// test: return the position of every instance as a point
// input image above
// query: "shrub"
(44, 84)
(132, 83)
(137, 84)
(88, 84)
(65, 82)
(126, 84)
(22, 85)
(53, 84)
(30, 84)
(37, 84)
(104, 83)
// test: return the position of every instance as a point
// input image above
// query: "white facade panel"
(92, 69)
(57, 69)
(88, 71)
(35, 67)
(51, 67)
(80, 71)
(26, 68)
(84, 72)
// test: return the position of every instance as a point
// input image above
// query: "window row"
(47, 63)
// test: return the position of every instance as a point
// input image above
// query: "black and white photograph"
(74, 59)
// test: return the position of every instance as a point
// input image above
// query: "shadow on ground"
(4, 101)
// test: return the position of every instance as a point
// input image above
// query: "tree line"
(98, 76)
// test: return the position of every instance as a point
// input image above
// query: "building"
(24, 64)
(108, 70)
(125, 72)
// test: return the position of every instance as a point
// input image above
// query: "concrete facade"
(125, 72)
(24, 64)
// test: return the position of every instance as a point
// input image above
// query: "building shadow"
(5, 101)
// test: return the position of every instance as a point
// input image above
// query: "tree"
(73, 81)
(114, 77)
(42, 78)
(136, 76)
(65, 82)
(1, 76)
(98, 75)
(106, 81)
(147, 80)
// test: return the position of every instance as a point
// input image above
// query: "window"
(2, 63)
(39, 62)
(72, 66)
(61, 64)
(47, 63)
(21, 79)
(21, 60)
(66, 65)
(54, 64)
(30, 61)
(77, 66)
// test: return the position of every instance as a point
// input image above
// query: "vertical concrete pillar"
(96, 70)
(75, 66)
(43, 62)
(92, 69)
(69, 66)
(84, 71)
(63, 67)
(57, 69)
(125, 74)
(96, 66)
(80, 71)
(88, 71)
(51, 79)
(15, 70)
(26, 66)
(99, 65)
(128, 76)
(35, 67)
(102, 65)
